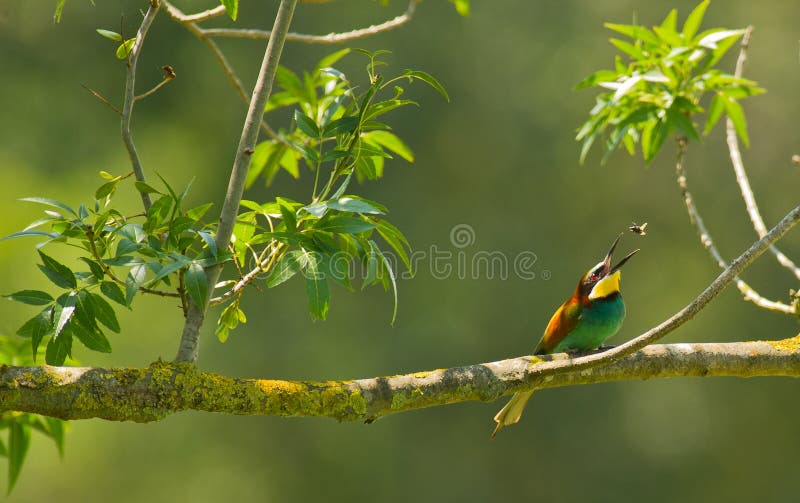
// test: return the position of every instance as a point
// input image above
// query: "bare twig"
(150, 394)
(747, 291)
(130, 97)
(330, 38)
(741, 175)
(168, 75)
(194, 28)
(101, 98)
(188, 349)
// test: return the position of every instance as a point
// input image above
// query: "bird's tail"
(512, 412)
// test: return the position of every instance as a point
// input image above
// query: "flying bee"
(638, 229)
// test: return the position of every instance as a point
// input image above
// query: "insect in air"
(638, 229)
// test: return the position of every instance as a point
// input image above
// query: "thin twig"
(169, 75)
(194, 28)
(188, 349)
(330, 38)
(741, 175)
(130, 97)
(101, 98)
(747, 291)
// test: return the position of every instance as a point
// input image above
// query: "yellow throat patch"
(606, 286)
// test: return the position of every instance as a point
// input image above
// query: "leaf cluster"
(658, 84)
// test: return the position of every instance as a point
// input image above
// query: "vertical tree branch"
(705, 237)
(188, 349)
(130, 96)
(741, 175)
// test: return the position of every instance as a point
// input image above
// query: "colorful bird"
(593, 314)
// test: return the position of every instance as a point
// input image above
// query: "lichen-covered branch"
(149, 394)
(748, 292)
(130, 97)
(741, 175)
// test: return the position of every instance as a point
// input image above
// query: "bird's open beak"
(607, 260)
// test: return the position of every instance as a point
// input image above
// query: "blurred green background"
(501, 158)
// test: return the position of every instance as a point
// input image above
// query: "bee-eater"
(593, 314)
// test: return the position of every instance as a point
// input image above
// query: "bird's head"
(602, 280)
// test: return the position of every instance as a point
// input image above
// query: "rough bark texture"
(149, 394)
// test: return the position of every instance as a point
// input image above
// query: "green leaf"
(653, 137)
(57, 17)
(125, 48)
(56, 430)
(56, 272)
(714, 112)
(596, 78)
(391, 142)
(229, 319)
(32, 297)
(111, 35)
(390, 272)
(678, 119)
(58, 349)
(144, 188)
(105, 190)
(197, 284)
(343, 125)
(37, 328)
(735, 113)
(113, 292)
(104, 313)
(306, 124)
(357, 204)
(198, 212)
(428, 79)
(288, 215)
(331, 59)
(231, 7)
(710, 41)
(344, 224)
(317, 291)
(395, 239)
(287, 266)
(133, 281)
(634, 32)
(50, 202)
(63, 311)
(19, 439)
(91, 337)
(94, 267)
(692, 23)
(671, 21)
(31, 232)
(626, 47)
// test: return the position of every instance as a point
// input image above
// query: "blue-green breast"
(598, 321)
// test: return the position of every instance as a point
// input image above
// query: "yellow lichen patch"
(274, 386)
(791, 344)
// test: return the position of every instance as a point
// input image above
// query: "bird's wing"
(561, 324)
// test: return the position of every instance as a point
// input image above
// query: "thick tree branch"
(149, 394)
(188, 349)
(130, 97)
(741, 175)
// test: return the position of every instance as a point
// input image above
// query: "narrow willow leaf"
(50, 202)
(428, 79)
(104, 313)
(391, 142)
(63, 311)
(56, 272)
(694, 19)
(197, 284)
(113, 292)
(390, 272)
(91, 337)
(287, 266)
(37, 328)
(56, 429)
(735, 113)
(19, 439)
(345, 225)
(357, 204)
(231, 7)
(58, 349)
(111, 35)
(32, 297)
(317, 291)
